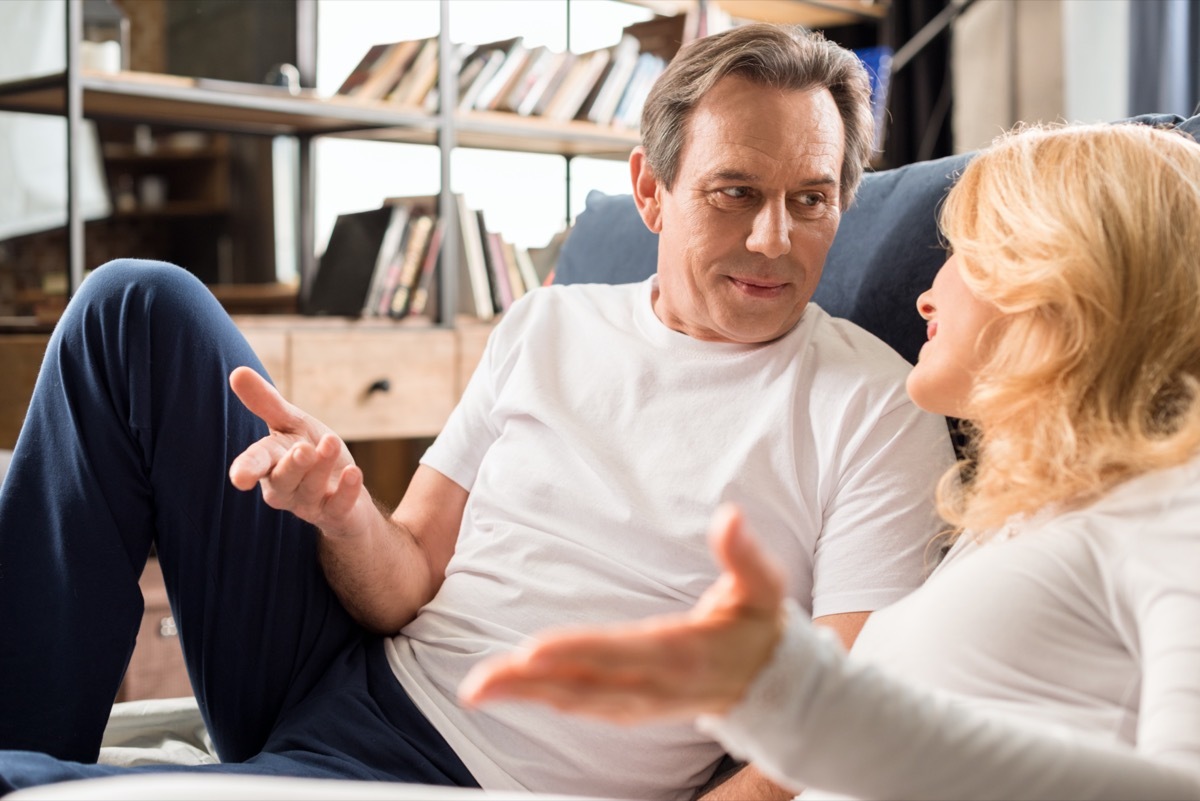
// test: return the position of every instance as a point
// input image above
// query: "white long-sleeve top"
(1058, 659)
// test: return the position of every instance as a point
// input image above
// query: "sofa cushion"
(609, 244)
(885, 253)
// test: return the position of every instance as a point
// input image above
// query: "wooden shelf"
(497, 130)
(248, 108)
(173, 208)
(204, 104)
(809, 13)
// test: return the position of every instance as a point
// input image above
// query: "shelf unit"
(232, 107)
(810, 13)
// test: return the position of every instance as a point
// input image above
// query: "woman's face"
(949, 362)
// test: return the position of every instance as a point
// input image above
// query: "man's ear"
(646, 189)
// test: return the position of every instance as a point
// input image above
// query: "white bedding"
(171, 731)
(193, 787)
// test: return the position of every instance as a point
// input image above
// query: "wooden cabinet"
(156, 669)
(368, 380)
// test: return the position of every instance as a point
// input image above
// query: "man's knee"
(131, 289)
(121, 276)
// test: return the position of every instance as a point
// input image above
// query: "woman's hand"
(302, 466)
(676, 666)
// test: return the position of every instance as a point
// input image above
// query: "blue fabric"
(127, 444)
(885, 254)
(886, 251)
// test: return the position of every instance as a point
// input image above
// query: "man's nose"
(771, 234)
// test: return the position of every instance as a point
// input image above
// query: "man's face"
(755, 206)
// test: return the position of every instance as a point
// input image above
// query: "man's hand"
(302, 466)
(675, 666)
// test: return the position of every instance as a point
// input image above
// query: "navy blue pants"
(127, 444)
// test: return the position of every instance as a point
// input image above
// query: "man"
(572, 485)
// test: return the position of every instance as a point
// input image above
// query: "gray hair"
(777, 56)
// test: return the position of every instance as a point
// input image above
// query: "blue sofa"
(886, 252)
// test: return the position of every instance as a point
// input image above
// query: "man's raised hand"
(301, 465)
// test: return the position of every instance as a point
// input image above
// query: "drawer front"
(156, 668)
(271, 349)
(20, 359)
(375, 384)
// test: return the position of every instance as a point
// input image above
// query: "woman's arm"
(809, 717)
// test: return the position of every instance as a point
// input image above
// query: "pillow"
(609, 244)
(885, 253)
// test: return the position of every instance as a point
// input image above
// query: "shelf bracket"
(74, 121)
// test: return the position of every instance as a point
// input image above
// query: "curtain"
(1164, 57)
(921, 95)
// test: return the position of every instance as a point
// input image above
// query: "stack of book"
(384, 263)
(606, 86)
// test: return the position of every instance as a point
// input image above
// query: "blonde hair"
(1088, 239)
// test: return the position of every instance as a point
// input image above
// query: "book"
(579, 83)
(529, 274)
(344, 271)
(473, 284)
(387, 265)
(498, 270)
(500, 82)
(420, 228)
(424, 297)
(516, 281)
(660, 35)
(539, 97)
(629, 110)
(539, 60)
(471, 68)
(624, 60)
(493, 61)
(387, 71)
(419, 78)
(362, 70)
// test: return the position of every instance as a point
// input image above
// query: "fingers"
(597, 695)
(261, 398)
(307, 482)
(750, 579)
(303, 472)
(256, 463)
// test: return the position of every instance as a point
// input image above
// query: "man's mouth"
(759, 287)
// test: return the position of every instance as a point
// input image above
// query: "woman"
(1055, 651)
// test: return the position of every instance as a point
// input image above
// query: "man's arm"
(385, 573)
(382, 569)
(748, 783)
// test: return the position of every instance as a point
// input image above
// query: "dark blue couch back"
(886, 252)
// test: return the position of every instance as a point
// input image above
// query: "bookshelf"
(227, 107)
(232, 107)
(809, 13)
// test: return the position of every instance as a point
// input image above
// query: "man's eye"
(810, 199)
(737, 192)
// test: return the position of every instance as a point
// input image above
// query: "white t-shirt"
(1060, 659)
(596, 444)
